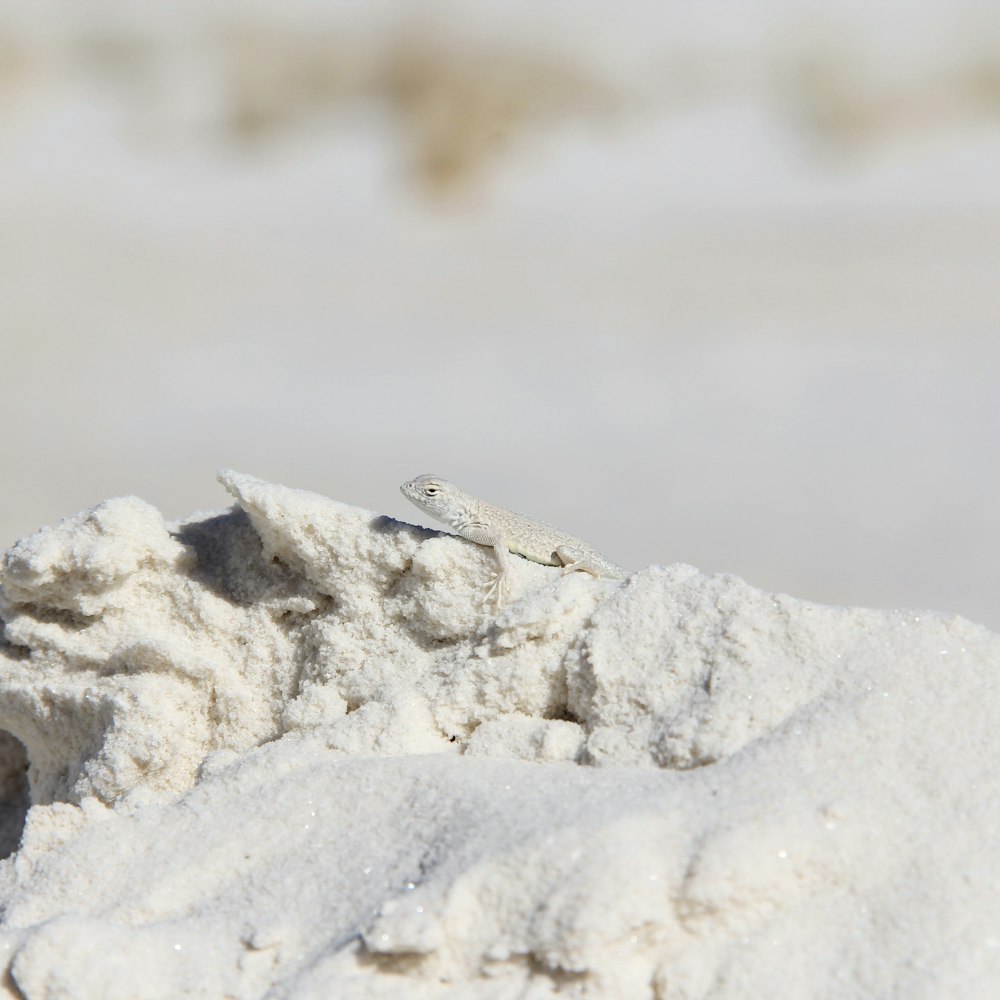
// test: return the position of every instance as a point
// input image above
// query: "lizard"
(506, 531)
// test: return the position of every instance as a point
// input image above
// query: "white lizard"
(506, 531)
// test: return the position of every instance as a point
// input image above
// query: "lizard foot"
(574, 560)
(498, 589)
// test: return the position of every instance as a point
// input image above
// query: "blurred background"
(717, 284)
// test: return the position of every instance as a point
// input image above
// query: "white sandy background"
(707, 285)
(713, 287)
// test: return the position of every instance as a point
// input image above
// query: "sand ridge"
(281, 750)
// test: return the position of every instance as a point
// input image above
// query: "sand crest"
(284, 751)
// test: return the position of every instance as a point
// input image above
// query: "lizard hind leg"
(574, 559)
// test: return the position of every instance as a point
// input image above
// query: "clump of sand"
(286, 750)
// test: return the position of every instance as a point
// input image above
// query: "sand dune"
(285, 751)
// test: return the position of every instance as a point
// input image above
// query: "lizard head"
(431, 494)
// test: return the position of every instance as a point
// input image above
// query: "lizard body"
(505, 531)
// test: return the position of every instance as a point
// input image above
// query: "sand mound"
(285, 751)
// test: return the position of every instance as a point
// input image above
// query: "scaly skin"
(506, 531)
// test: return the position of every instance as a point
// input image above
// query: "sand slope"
(284, 751)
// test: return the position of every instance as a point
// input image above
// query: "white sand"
(279, 752)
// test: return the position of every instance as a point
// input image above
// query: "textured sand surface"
(282, 751)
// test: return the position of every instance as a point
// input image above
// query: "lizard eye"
(431, 490)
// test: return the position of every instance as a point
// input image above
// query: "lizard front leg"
(483, 534)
